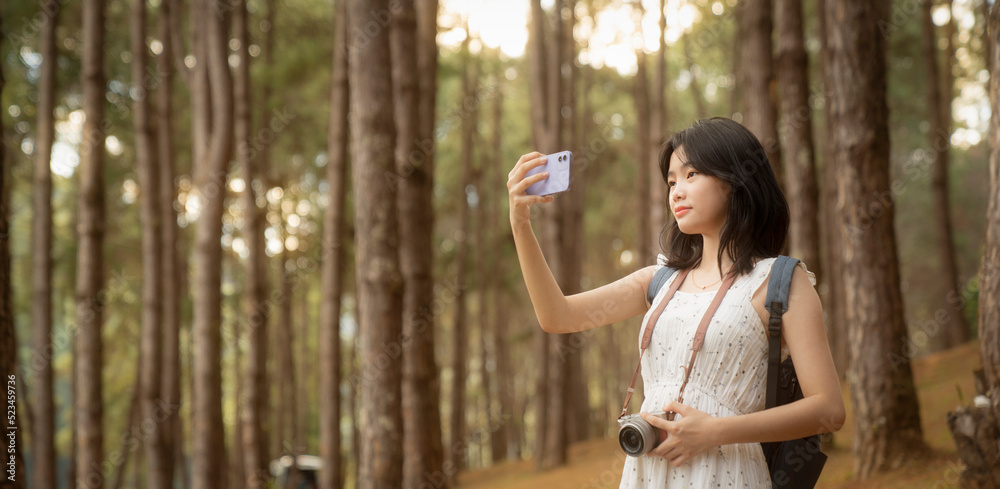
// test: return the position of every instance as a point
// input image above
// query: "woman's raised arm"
(557, 313)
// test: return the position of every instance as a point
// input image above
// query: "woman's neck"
(709, 264)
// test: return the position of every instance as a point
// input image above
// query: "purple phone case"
(558, 166)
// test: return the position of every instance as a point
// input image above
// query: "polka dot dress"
(729, 379)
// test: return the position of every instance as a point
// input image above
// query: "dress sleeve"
(812, 276)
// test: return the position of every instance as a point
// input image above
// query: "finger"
(525, 157)
(514, 182)
(534, 199)
(522, 168)
(529, 181)
(664, 449)
(654, 420)
(678, 460)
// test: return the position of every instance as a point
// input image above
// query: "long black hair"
(757, 217)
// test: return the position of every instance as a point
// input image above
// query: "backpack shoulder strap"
(659, 278)
(777, 303)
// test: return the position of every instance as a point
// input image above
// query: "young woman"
(730, 217)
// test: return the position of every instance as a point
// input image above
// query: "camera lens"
(631, 441)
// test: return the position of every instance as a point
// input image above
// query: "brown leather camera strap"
(699, 336)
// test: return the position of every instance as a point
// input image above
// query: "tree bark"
(286, 406)
(792, 65)
(460, 359)
(486, 380)
(252, 403)
(644, 105)
(500, 438)
(170, 390)
(208, 470)
(756, 77)
(887, 427)
(43, 428)
(8, 333)
(90, 266)
(554, 240)
(373, 140)
(989, 271)
(699, 99)
(538, 89)
(237, 459)
(832, 282)
(148, 171)
(657, 134)
(333, 262)
(939, 135)
(577, 410)
(415, 180)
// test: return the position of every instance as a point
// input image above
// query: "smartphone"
(558, 166)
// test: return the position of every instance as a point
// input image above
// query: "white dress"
(729, 378)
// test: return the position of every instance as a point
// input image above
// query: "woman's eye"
(690, 174)
(671, 184)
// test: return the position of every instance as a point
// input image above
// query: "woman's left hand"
(692, 433)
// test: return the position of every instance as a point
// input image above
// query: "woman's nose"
(676, 192)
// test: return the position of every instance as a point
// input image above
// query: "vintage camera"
(637, 437)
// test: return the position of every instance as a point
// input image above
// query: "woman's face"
(698, 202)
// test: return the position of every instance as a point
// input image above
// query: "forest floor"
(941, 378)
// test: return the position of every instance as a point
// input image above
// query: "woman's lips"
(681, 210)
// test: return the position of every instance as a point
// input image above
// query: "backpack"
(793, 463)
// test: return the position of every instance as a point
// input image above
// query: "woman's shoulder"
(763, 267)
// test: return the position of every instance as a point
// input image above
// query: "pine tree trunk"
(500, 439)
(352, 405)
(262, 167)
(538, 90)
(657, 136)
(333, 263)
(415, 180)
(699, 100)
(90, 266)
(577, 414)
(644, 106)
(792, 65)
(756, 77)
(989, 272)
(833, 280)
(887, 428)
(251, 404)
(209, 457)
(8, 333)
(486, 381)
(43, 428)
(554, 243)
(151, 336)
(170, 388)
(380, 283)
(237, 459)
(956, 329)
(286, 364)
(457, 423)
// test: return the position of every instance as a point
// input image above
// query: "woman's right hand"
(520, 202)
